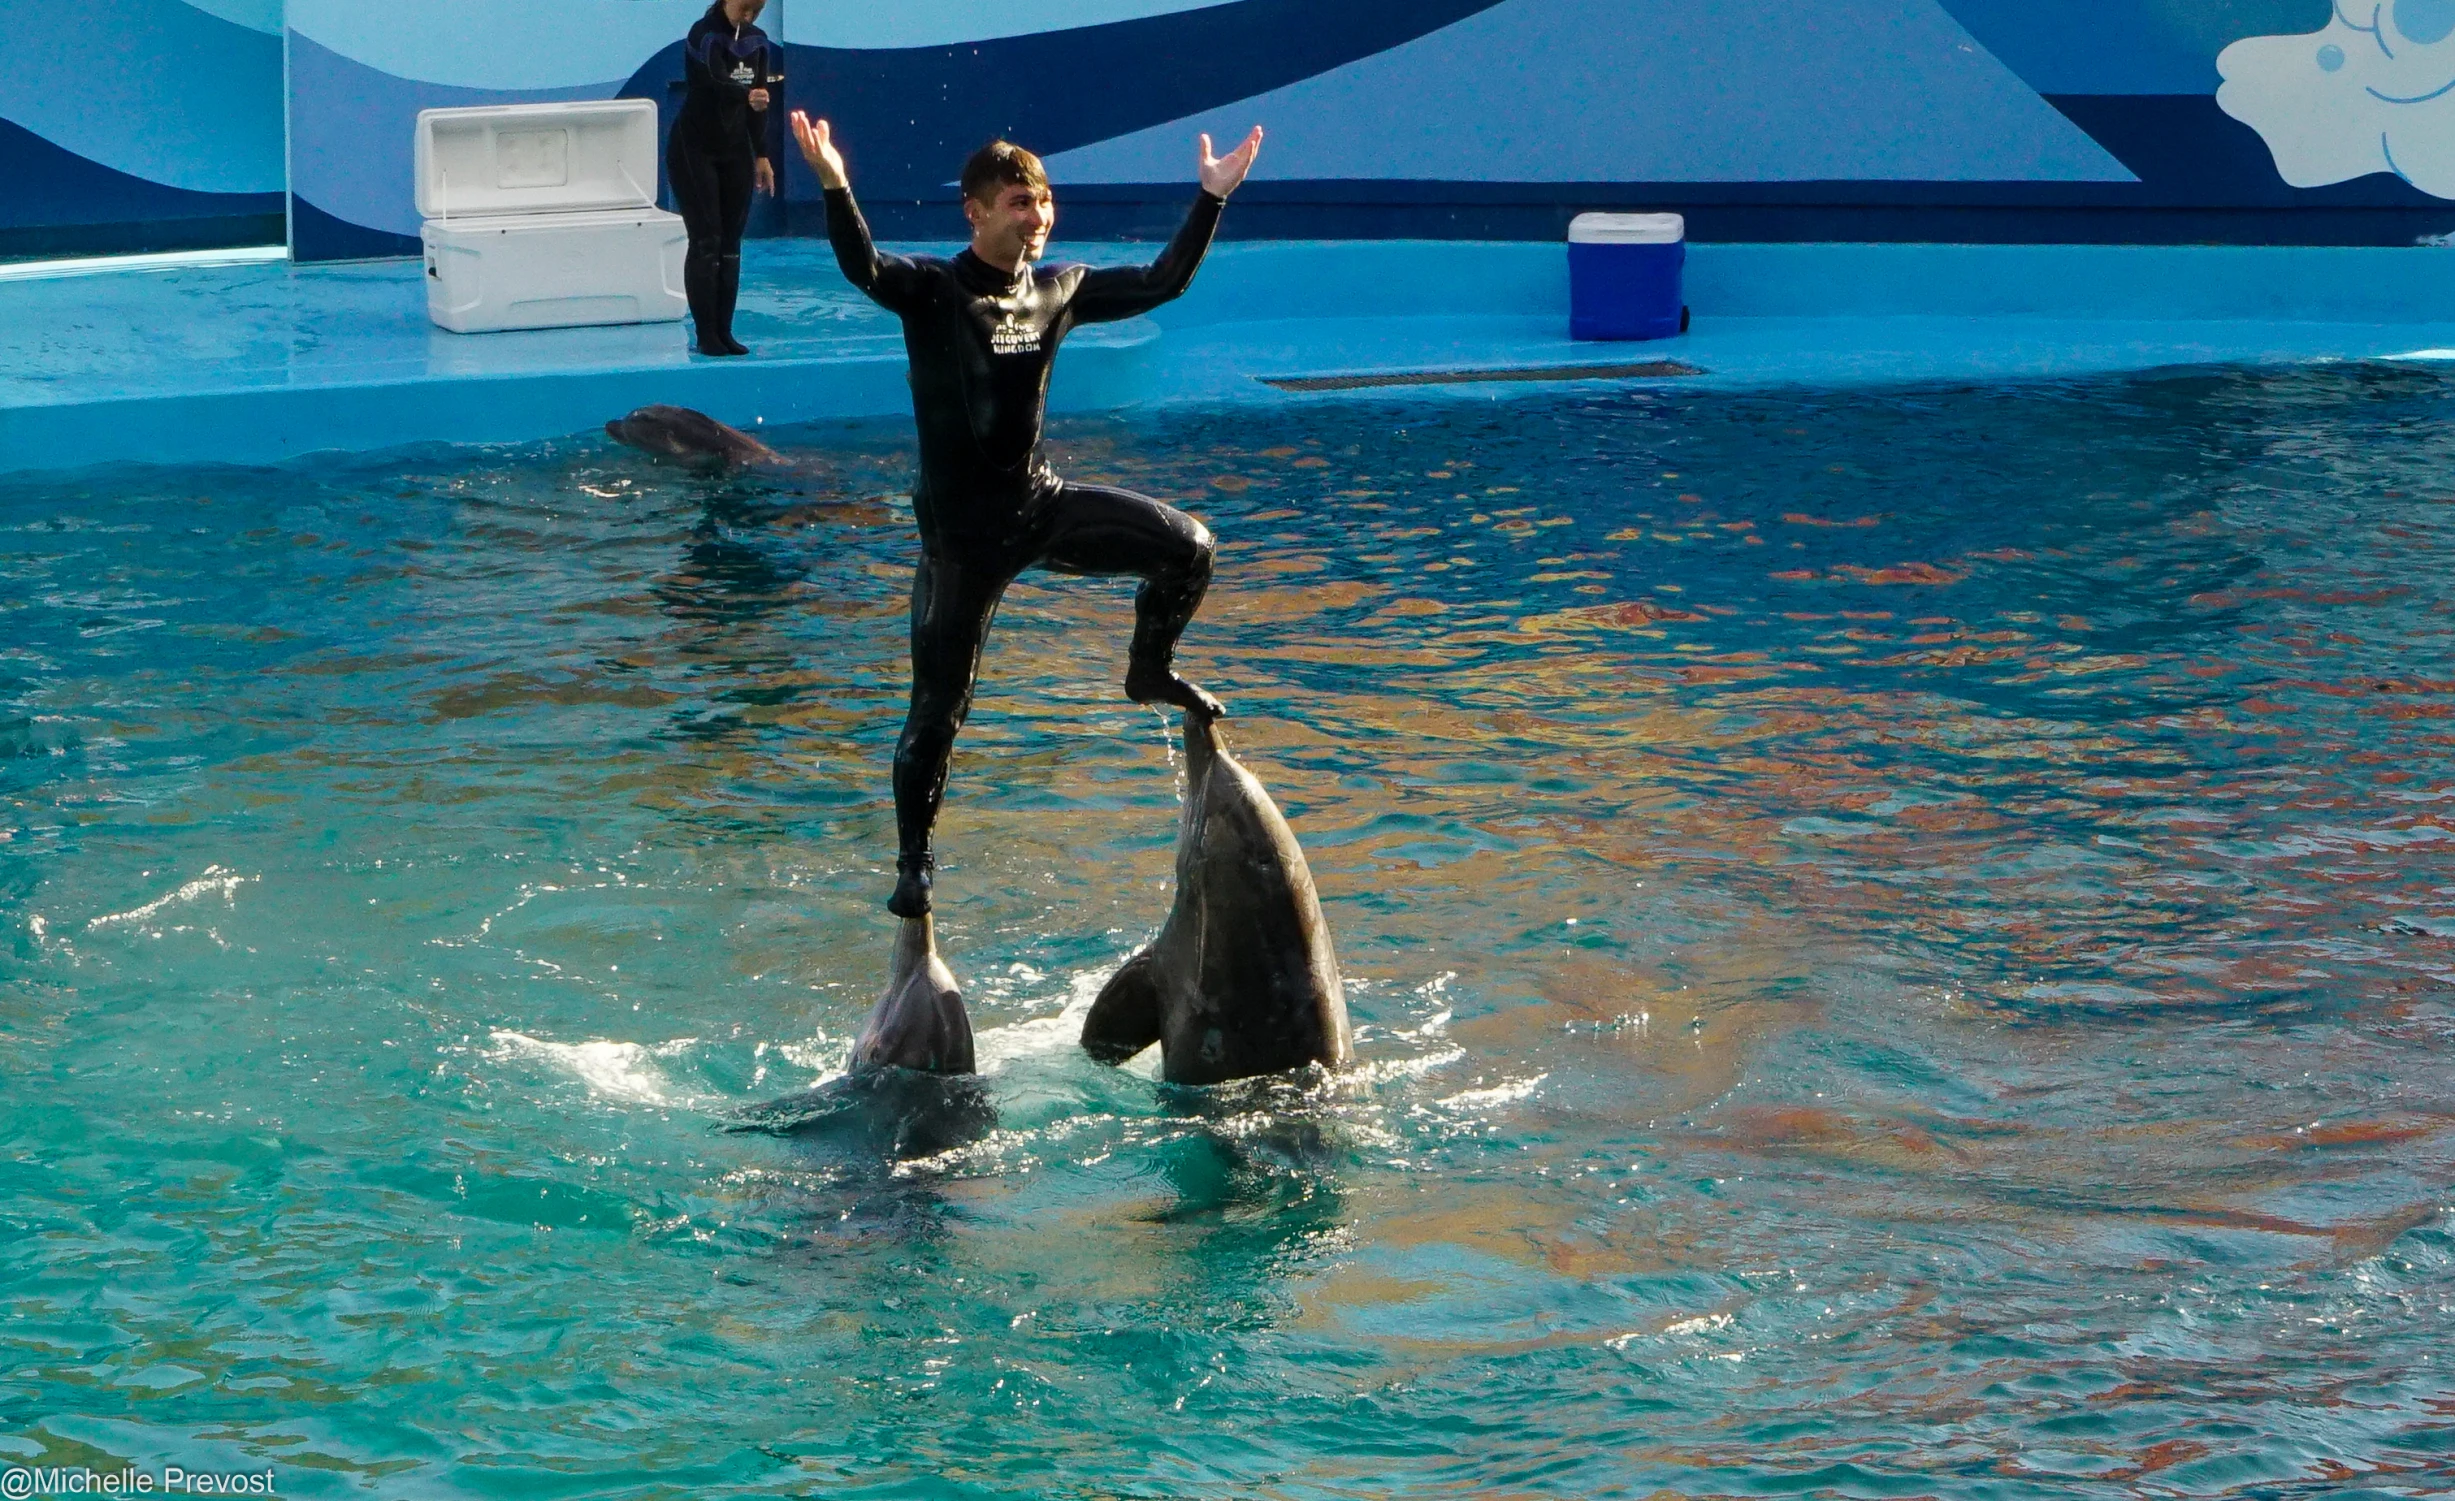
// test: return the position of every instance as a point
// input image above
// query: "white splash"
(44, 943)
(621, 1071)
(214, 880)
(1387, 1070)
(1059, 1031)
(1702, 1324)
(1499, 1094)
(825, 1057)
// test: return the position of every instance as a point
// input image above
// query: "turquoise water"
(1902, 944)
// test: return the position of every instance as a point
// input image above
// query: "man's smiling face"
(1013, 228)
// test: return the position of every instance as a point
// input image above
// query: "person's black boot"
(728, 292)
(699, 287)
(913, 879)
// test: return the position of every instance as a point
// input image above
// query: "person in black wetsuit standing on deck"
(982, 331)
(717, 156)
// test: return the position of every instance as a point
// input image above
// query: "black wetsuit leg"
(712, 193)
(954, 598)
(1077, 529)
(1094, 529)
(739, 177)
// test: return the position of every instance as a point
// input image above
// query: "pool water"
(1902, 944)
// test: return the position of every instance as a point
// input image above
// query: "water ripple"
(1900, 945)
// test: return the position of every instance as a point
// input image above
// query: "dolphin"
(1242, 980)
(910, 1091)
(920, 1022)
(869, 1119)
(680, 433)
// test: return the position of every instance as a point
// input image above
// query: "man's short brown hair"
(1001, 165)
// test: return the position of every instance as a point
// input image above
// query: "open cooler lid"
(1627, 229)
(536, 158)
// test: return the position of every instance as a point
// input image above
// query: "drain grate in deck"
(1648, 370)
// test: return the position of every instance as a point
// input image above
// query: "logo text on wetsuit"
(1012, 336)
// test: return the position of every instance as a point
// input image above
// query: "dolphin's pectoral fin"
(1125, 1019)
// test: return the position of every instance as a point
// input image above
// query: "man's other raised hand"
(814, 137)
(1222, 175)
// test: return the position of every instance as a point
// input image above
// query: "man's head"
(1006, 197)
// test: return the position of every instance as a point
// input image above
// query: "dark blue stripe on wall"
(318, 236)
(2126, 46)
(1968, 214)
(2188, 152)
(2205, 178)
(907, 117)
(56, 202)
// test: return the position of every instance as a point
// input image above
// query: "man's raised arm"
(891, 281)
(1114, 292)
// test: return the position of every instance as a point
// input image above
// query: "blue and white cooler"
(1624, 276)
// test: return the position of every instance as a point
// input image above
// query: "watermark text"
(23, 1482)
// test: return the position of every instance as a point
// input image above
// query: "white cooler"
(545, 216)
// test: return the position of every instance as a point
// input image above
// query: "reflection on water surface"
(1901, 944)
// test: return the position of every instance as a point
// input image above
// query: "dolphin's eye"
(2425, 21)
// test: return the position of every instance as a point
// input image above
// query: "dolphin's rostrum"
(920, 1022)
(1242, 980)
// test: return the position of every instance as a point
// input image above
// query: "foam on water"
(1060, 1032)
(621, 1072)
(214, 882)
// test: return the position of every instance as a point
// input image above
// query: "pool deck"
(259, 362)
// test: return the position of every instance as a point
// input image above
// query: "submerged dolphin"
(871, 1119)
(680, 433)
(1242, 980)
(910, 1091)
(920, 1022)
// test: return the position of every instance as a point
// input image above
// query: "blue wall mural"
(2371, 92)
(131, 125)
(361, 70)
(2121, 120)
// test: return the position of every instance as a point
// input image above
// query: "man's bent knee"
(1194, 567)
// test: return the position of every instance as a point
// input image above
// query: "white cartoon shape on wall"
(2372, 92)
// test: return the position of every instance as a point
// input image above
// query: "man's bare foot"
(1168, 688)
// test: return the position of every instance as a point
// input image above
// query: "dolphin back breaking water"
(1242, 980)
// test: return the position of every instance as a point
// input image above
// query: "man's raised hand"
(1221, 175)
(818, 149)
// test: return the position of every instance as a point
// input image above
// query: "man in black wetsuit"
(982, 330)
